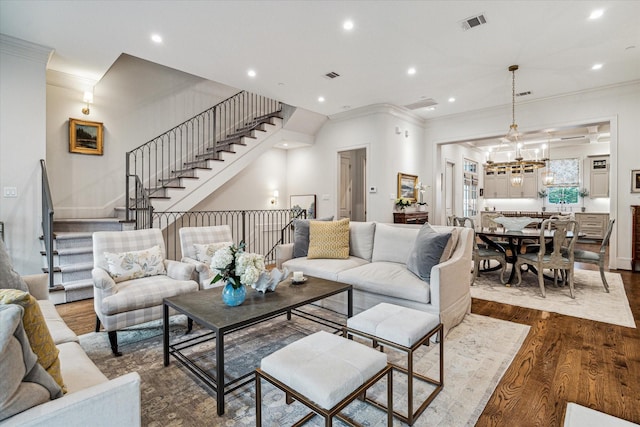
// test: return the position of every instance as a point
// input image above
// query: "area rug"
(477, 353)
(591, 301)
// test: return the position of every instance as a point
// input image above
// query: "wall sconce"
(88, 98)
(274, 201)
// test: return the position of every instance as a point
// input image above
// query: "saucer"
(298, 282)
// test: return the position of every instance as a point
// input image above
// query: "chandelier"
(519, 165)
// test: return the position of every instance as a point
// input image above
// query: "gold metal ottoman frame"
(377, 341)
(328, 414)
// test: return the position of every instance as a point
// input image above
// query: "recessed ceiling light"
(284, 144)
(431, 108)
(596, 14)
(156, 38)
(348, 25)
(251, 73)
(411, 71)
(452, 99)
(596, 66)
(321, 99)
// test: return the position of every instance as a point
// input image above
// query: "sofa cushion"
(25, 383)
(9, 279)
(393, 243)
(145, 292)
(301, 236)
(78, 370)
(204, 252)
(361, 239)
(323, 268)
(135, 264)
(428, 251)
(59, 330)
(387, 278)
(329, 239)
(37, 331)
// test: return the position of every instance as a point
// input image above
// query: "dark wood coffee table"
(207, 309)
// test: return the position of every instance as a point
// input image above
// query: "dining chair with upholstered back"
(561, 256)
(481, 253)
(597, 258)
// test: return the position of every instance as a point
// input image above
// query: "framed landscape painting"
(85, 137)
(407, 186)
(304, 201)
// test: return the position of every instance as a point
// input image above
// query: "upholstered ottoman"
(324, 372)
(404, 329)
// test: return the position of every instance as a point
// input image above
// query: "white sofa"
(91, 398)
(376, 268)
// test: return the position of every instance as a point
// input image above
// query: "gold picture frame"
(85, 137)
(407, 186)
(635, 181)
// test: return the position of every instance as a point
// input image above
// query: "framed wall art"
(85, 137)
(304, 201)
(407, 186)
(635, 181)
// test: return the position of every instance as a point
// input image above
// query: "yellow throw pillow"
(329, 239)
(37, 331)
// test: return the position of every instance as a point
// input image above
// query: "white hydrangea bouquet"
(236, 266)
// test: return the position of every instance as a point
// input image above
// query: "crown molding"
(390, 109)
(24, 49)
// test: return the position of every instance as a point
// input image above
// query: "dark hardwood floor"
(563, 359)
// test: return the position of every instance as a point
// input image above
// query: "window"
(470, 189)
(566, 181)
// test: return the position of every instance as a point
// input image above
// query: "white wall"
(22, 145)
(619, 104)
(314, 170)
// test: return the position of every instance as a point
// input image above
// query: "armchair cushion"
(135, 264)
(204, 252)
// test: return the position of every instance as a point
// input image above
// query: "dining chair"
(597, 258)
(561, 256)
(481, 253)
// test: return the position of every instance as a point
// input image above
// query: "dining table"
(509, 242)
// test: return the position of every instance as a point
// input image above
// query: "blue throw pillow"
(427, 251)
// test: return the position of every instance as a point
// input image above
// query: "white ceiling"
(292, 44)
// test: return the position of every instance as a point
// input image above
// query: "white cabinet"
(598, 167)
(496, 184)
(529, 187)
(593, 225)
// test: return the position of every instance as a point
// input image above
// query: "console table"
(410, 217)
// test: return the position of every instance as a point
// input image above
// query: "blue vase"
(233, 297)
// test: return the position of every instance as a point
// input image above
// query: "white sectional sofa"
(91, 399)
(377, 269)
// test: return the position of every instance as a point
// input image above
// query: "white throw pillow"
(135, 264)
(204, 252)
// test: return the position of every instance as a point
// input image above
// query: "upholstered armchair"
(131, 278)
(198, 244)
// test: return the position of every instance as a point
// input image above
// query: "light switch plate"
(10, 192)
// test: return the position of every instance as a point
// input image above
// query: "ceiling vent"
(424, 103)
(473, 21)
(524, 93)
(332, 75)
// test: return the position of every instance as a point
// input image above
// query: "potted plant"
(402, 203)
(583, 193)
(543, 195)
(422, 205)
(239, 269)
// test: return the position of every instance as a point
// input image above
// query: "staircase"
(173, 171)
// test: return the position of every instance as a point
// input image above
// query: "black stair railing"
(167, 159)
(47, 220)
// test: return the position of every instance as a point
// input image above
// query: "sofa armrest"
(179, 270)
(112, 403)
(38, 285)
(200, 266)
(451, 280)
(284, 253)
(102, 280)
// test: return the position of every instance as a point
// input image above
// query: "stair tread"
(76, 267)
(107, 219)
(75, 284)
(62, 235)
(75, 251)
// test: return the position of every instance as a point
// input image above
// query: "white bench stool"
(404, 329)
(325, 372)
